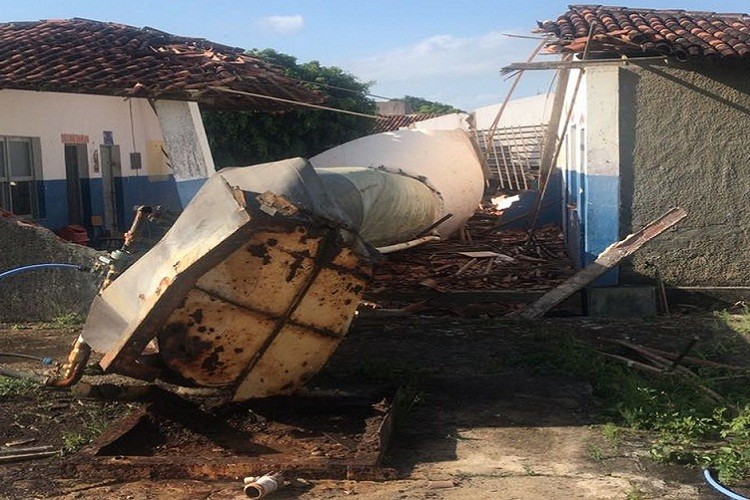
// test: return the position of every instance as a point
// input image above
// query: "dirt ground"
(479, 423)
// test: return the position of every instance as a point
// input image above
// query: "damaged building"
(659, 119)
(98, 118)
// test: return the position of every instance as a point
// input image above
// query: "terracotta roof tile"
(390, 123)
(83, 56)
(646, 32)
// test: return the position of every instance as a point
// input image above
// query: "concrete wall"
(394, 107)
(55, 118)
(688, 145)
(48, 115)
(42, 294)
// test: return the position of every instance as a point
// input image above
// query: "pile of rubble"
(482, 257)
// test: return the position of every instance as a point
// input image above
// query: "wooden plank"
(608, 259)
(546, 65)
(460, 297)
(513, 86)
(553, 128)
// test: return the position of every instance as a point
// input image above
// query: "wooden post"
(608, 259)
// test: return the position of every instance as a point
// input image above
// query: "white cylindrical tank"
(445, 160)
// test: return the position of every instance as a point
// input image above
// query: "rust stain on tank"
(260, 251)
(163, 284)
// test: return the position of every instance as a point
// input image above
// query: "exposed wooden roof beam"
(546, 65)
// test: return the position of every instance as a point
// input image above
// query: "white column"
(601, 217)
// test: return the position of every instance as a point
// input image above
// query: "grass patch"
(16, 386)
(612, 433)
(73, 441)
(634, 493)
(405, 378)
(688, 428)
(595, 453)
(94, 420)
(66, 320)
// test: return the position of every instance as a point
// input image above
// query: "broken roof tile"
(389, 123)
(635, 32)
(92, 57)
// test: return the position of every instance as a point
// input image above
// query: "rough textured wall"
(691, 148)
(42, 294)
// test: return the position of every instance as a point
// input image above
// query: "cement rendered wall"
(42, 295)
(687, 145)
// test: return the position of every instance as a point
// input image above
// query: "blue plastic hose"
(721, 489)
(31, 267)
(44, 361)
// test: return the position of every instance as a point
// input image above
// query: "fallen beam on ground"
(4, 459)
(608, 259)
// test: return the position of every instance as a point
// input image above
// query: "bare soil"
(478, 421)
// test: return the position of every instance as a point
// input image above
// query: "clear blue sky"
(450, 51)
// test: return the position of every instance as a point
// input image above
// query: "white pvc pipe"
(258, 487)
(407, 244)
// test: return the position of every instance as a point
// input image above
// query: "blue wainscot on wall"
(130, 192)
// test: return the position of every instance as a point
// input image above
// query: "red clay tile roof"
(92, 57)
(645, 32)
(394, 122)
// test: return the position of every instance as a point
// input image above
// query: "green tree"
(424, 106)
(250, 137)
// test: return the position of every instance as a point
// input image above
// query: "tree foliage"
(250, 137)
(424, 106)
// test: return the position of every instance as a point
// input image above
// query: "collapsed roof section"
(389, 123)
(636, 32)
(91, 57)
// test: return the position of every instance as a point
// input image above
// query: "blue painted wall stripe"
(170, 194)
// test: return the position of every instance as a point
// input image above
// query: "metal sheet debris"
(312, 437)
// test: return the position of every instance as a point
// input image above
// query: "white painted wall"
(47, 115)
(446, 122)
(519, 112)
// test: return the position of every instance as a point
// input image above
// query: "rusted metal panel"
(245, 292)
(242, 324)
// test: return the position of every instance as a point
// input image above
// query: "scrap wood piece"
(29, 449)
(465, 267)
(19, 442)
(29, 456)
(608, 259)
(631, 363)
(699, 362)
(659, 361)
(479, 255)
(710, 393)
(488, 267)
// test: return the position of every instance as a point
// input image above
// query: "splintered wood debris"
(483, 258)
